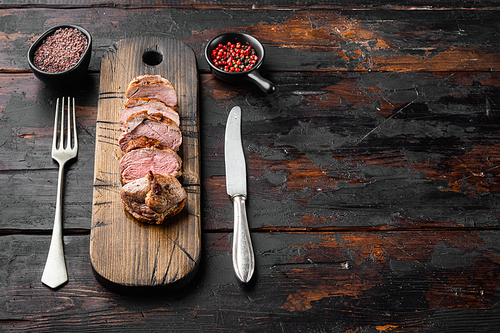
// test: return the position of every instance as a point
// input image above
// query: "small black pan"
(251, 75)
(69, 77)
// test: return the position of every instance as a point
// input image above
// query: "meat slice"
(153, 86)
(151, 105)
(154, 126)
(153, 198)
(143, 142)
(138, 162)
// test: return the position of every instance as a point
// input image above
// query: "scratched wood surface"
(374, 187)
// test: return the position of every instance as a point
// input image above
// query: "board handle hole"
(152, 58)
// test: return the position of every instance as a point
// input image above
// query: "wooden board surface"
(126, 254)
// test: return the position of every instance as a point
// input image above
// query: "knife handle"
(243, 257)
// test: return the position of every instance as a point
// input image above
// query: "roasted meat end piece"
(153, 198)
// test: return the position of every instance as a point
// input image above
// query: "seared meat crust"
(153, 198)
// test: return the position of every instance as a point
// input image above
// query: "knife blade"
(236, 184)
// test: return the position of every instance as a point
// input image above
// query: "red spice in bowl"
(248, 68)
(60, 51)
(234, 57)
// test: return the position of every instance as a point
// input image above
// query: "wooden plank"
(325, 151)
(263, 5)
(124, 252)
(315, 39)
(26, 127)
(362, 150)
(305, 282)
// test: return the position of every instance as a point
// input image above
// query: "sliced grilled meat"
(138, 162)
(154, 126)
(153, 86)
(151, 105)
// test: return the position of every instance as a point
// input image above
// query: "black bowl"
(67, 77)
(251, 75)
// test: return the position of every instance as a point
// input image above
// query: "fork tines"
(65, 132)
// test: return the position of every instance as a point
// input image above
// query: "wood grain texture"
(373, 170)
(428, 281)
(125, 252)
(263, 5)
(370, 150)
(372, 39)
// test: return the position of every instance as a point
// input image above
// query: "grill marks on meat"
(151, 136)
(153, 86)
(143, 142)
(153, 198)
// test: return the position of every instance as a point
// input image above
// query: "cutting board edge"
(121, 288)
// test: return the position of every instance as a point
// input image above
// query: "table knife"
(236, 184)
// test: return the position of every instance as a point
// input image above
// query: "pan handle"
(264, 84)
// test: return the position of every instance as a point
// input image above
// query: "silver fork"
(64, 148)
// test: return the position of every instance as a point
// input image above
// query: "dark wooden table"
(374, 185)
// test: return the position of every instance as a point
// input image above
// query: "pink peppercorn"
(234, 57)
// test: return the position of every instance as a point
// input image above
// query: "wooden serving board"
(126, 254)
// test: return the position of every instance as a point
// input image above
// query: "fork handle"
(54, 273)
